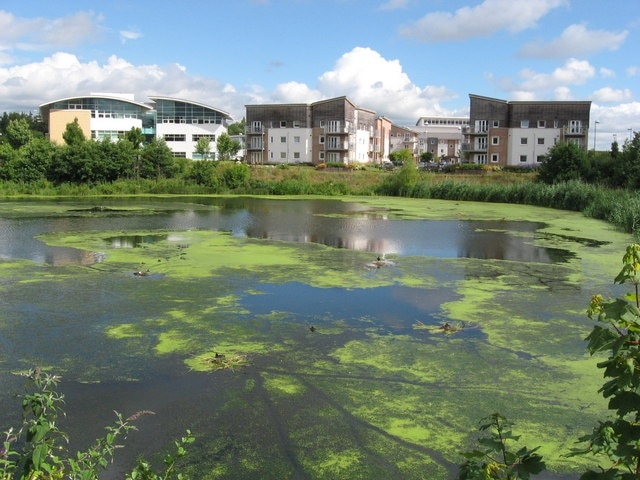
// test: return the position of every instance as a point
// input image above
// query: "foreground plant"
(37, 450)
(494, 460)
(617, 332)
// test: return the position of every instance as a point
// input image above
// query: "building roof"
(182, 100)
(121, 98)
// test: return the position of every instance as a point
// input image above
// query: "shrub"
(37, 450)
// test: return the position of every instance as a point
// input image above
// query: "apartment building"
(441, 136)
(328, 131)
(181, 123)
(403, 138)
(510, 133)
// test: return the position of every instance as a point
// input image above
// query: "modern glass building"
(181, 123)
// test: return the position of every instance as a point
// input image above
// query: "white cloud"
(126, 35)
(633, 71)
(374, 82)
(24, 87)
(575, 40)
(27, 34)
(573, 72)
(607, 72)
(611, 95)
(482, 20)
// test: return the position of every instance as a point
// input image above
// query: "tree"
(18, 133)
(237, 128)
(203, 147)
(73, 134)
(564, 162)
(426, 157)
(156, 160)
(402, 156)
(32, 161)
(227, 147)
(135, 137)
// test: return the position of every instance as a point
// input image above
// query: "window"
(523, 158)
(542, 124)
(541, 141)
(197, 136)
(256, 127)
(495, 140)
(179, 154)
(334, 126)
(494, 157)
(555, 124)
(283, 124)
(496, 123)
(322, 123)
(524, 123)
(481, 126)
(321, 155)
(296, 124)
(296, 139)
(178, 137)
(296, 155)
(575, 126)
(283, 155)
(524, 140)
(283, 139)
(322, 139)
(539, 158)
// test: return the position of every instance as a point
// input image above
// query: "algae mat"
(300, 360)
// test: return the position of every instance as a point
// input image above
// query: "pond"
(363, 337)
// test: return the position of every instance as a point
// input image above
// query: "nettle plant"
(495, 459)
(37, 450)
(617, 332)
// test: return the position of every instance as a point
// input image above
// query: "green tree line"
(27, 156)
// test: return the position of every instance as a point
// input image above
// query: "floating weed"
(220, 361)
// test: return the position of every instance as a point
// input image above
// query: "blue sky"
(402, 58)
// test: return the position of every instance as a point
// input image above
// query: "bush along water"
(37, 450)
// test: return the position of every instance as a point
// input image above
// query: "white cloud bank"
(482, 20)
(576, 40)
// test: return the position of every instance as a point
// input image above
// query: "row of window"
(573, 126)
(181, 137)
(193, 121)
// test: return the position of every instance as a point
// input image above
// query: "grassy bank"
(618, 207)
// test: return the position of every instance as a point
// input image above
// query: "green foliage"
(227, 147)
(564, 162)
(401, 157)
(73, 134)
(37, 450)
(156, 160)
(135, 137)
(18, 133)
(617, 332)
(494, 458)
(234, 174)
(203, 172)
(237, 128)
(203, 148)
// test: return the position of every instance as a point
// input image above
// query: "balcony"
(570, 131)
(253, 130)
(336, 145)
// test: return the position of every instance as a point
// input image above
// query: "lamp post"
(595, 134)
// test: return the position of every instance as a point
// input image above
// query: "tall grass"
(618, 207)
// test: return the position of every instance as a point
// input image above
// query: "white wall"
(532, 149)
(296, 147)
